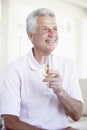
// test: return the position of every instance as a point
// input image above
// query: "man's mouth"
(50, 40)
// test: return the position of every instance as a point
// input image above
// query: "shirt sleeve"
(75, 91)
(10, 98)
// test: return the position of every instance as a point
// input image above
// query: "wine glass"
(47, 69)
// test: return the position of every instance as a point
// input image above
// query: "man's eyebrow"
(48, 26)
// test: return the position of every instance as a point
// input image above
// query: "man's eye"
(55, 29)
(44, 29)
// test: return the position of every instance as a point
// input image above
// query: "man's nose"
(51, 33)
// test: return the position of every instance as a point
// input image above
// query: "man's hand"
(70, 128)
(73, 107)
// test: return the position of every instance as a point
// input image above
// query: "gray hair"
(31, 21)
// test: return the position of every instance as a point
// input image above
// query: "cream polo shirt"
(23, 92)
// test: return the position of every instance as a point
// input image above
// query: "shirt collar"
(33, 63)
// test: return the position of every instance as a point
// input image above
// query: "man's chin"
(49, 51)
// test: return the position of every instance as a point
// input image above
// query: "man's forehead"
(47, 26)
(46, 20)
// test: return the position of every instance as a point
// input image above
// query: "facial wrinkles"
(48, 34)
(46, 31)
(52, 36)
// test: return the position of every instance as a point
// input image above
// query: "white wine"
(49, 75)
(47, 71)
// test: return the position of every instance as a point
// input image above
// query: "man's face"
(46, 36)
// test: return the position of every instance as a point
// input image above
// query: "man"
(25, 106)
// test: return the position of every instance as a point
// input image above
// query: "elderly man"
(25, 106)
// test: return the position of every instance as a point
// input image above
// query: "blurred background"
(72, 27)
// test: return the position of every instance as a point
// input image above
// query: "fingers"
(55, 82)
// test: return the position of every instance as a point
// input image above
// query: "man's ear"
(30, 36)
